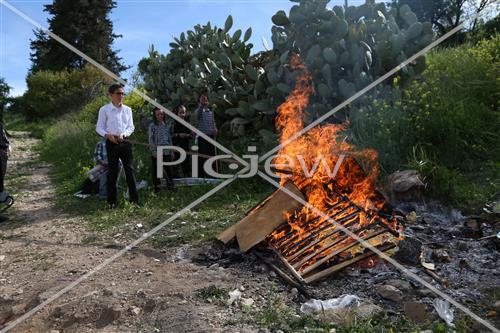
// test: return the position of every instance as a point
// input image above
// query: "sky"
(142, 23)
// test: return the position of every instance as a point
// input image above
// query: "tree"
(4, 97)
(84, 24)
(446, 14)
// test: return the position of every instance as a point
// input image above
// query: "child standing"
(160, 134)
(181, 138)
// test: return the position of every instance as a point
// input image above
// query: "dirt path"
(41, 252)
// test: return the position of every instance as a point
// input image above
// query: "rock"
(426, 331)
(108, 315)
(410, 250)
(5, 314)
(472, 229)
(134, 311)
(411, 218)
(5, 309)
(234, 296)
(440, 255)
(19, 309)
(402, 285)
(140, 293)
(404, 186)
(183, 302)
(496, 208)
(390, 293)
(416, 312)
(248, 302)
(424, 292)
(107, 292)
(214, 267)
(497, 306)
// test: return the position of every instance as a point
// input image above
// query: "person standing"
(4, 154)
(115, 123)
(180, 139)
(160, 134)
(204, 120)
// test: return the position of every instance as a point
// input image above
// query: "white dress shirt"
(115, 120)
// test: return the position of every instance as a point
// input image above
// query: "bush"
(51, 94)
(446, 123)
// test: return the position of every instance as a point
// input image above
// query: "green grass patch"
(16, 122)
(213, 294)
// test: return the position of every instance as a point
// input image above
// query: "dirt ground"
(185, 289)
(146, 290)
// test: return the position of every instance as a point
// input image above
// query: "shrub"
(446, 123)
(51, 94)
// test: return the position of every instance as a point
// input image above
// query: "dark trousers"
(167, 172)
(205, 148)
(3, 167)
(121, 151)
(184, 166)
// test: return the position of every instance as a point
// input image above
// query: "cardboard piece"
(263, 219)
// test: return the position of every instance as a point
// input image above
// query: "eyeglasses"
(120, 93)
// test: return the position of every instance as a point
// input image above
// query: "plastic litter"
(444, 311)
(317, 306)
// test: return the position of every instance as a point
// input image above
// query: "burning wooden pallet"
(312, 246)
(315, 248)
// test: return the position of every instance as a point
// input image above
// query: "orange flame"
(320, 152)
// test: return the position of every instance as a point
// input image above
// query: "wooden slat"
(261, 221)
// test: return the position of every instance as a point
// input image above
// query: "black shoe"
(111, 206)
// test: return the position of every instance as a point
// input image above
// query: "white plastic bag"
(444, 311)
(317, 306)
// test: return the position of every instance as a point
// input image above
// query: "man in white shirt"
(115, 123)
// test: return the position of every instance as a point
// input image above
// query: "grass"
(16, 122)
(213, 294)
(197, 226)
(277, 315)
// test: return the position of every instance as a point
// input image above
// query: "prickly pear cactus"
(216, 62)
(344, 48)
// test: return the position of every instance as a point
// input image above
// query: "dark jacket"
(4, 141)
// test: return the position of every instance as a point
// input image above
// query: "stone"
(416, 312)
(390, 293)
(497, 306)
(440, 255)
(409, 251)
(108, 315)
(134, 311)
(234, 296)
(107, 292)
(472, 229)
(404, 186)
(19, 309)
(411, 218)
(402, 285)
(248, 302)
